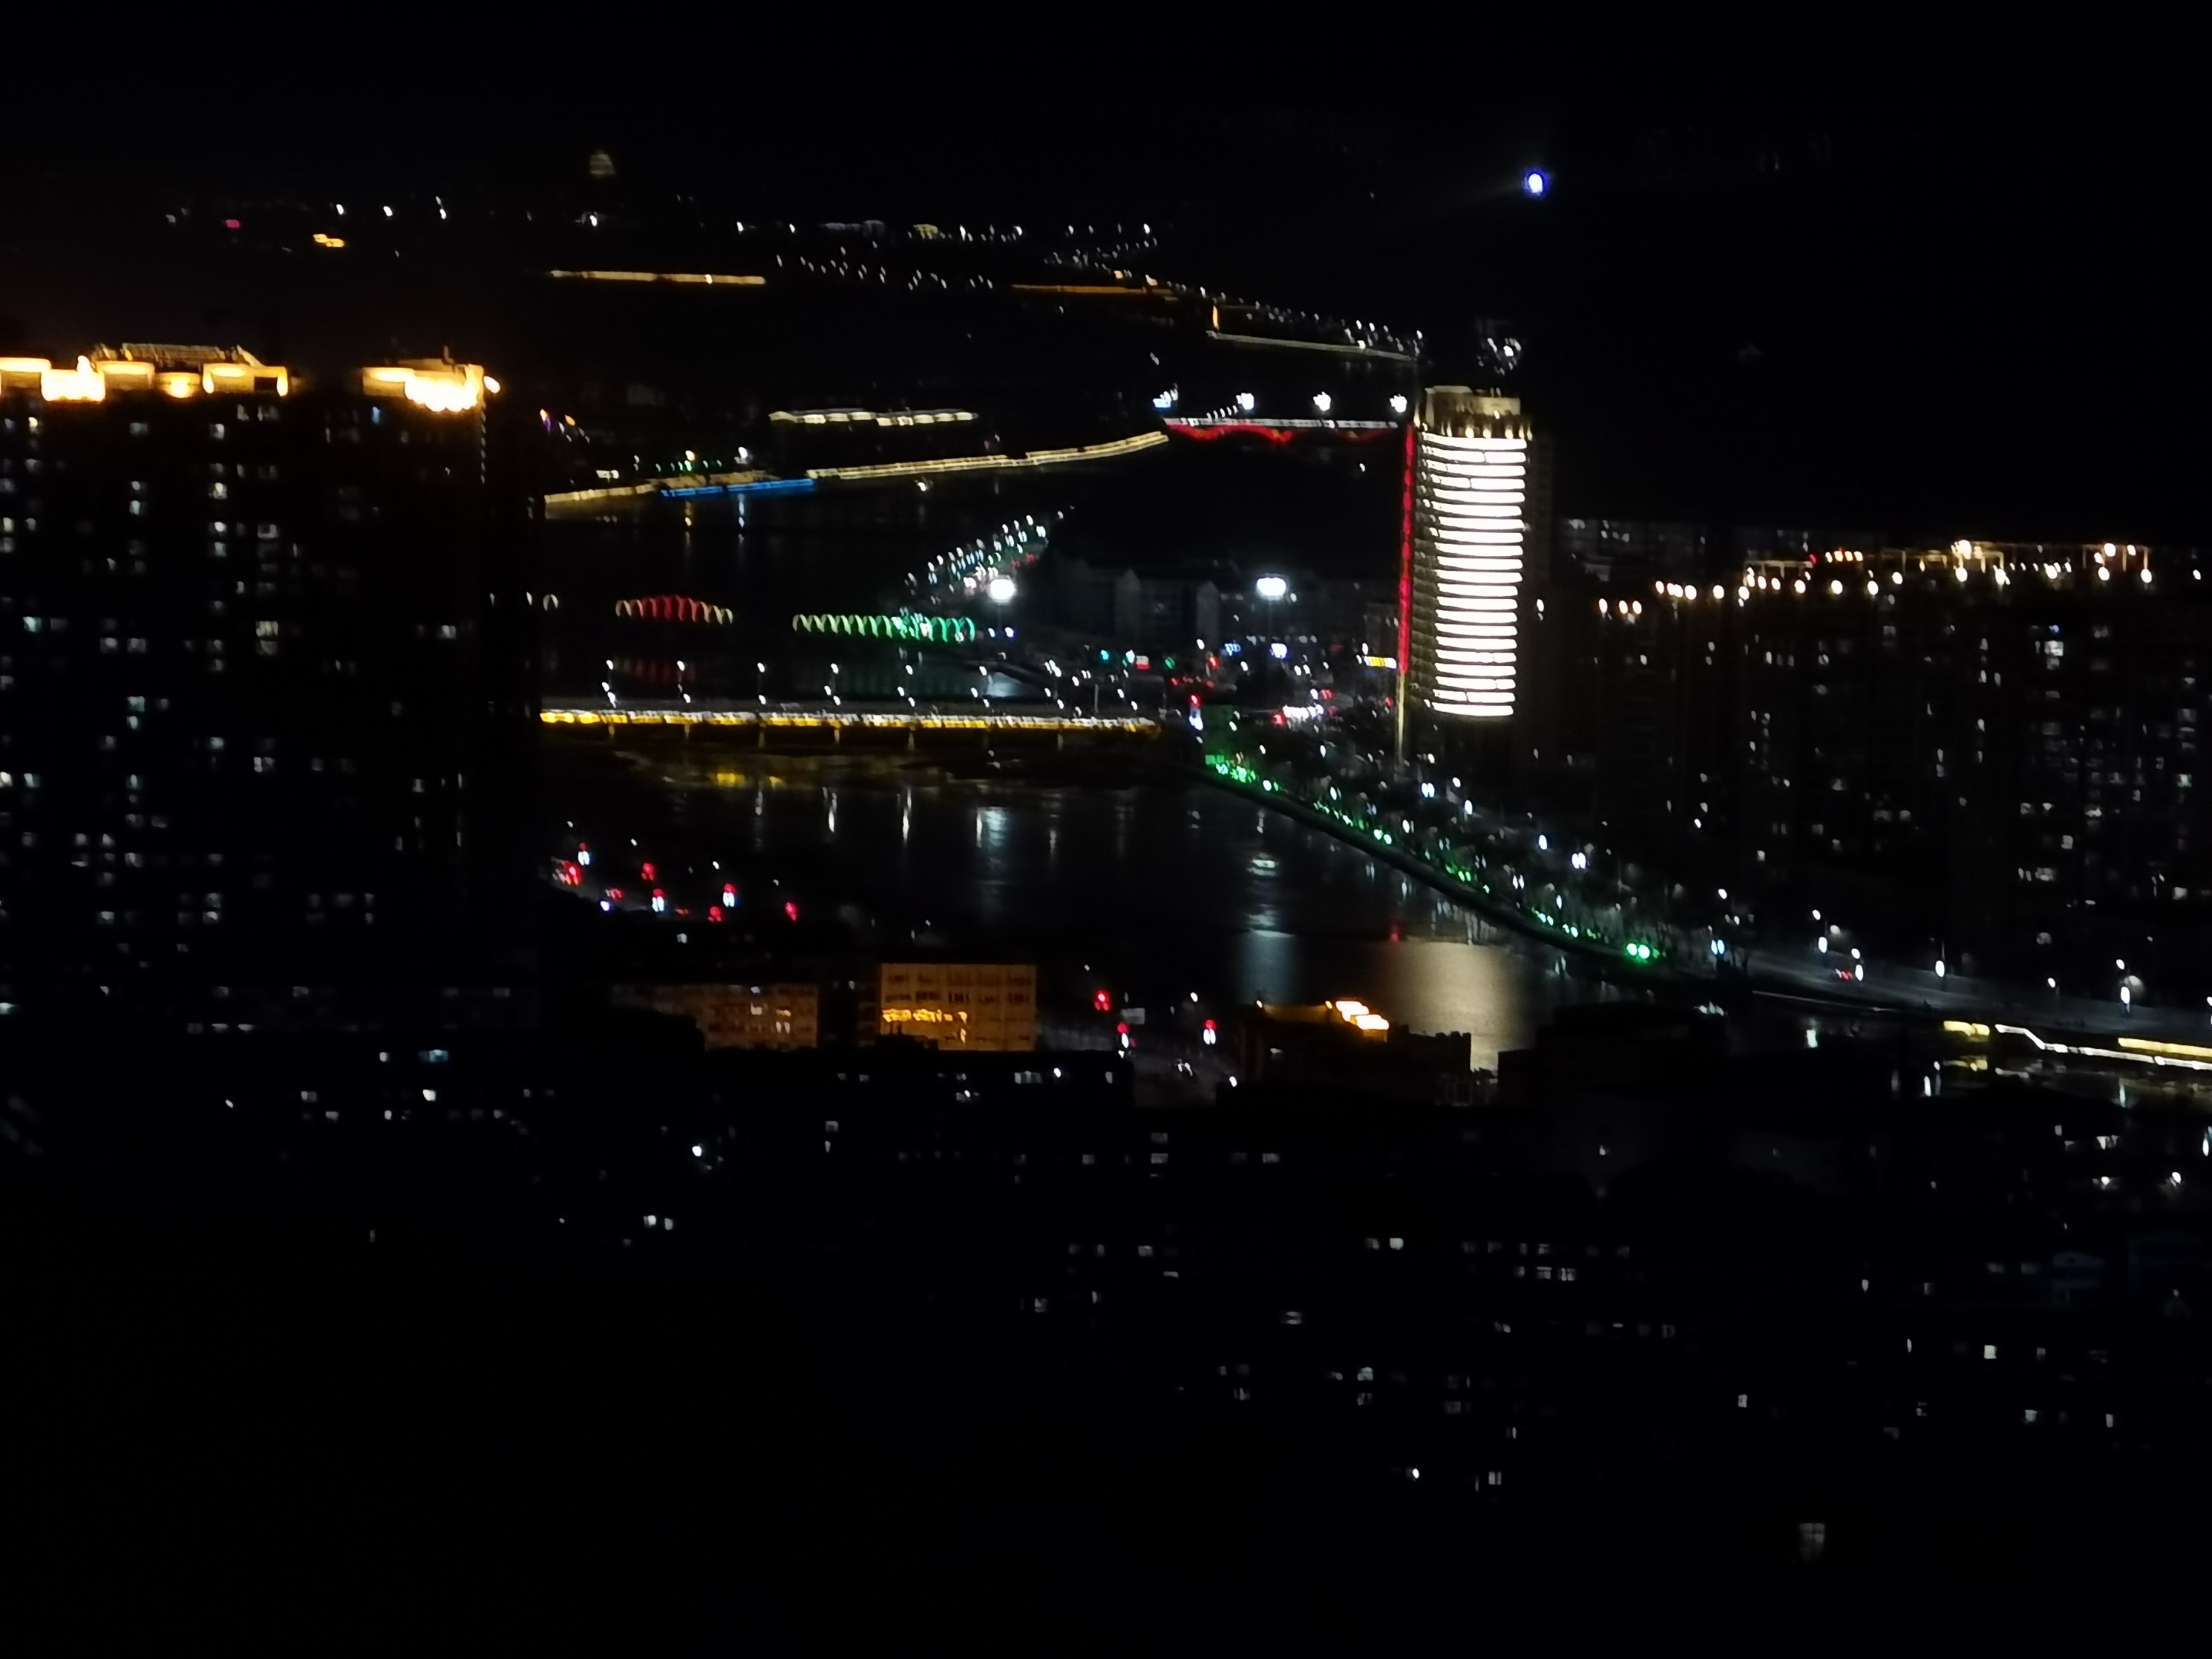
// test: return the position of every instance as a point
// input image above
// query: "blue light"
(1534, 182)
(758, 487)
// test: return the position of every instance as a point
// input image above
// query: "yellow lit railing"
(988, 462)
(2143, 1050)
(1342, 350)
(1101, 290)
(2166, 1051)
(703, 278)
(559, 498)
(867, 416)
(850, 719)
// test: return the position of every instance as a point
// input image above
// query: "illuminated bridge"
(851, 724)
(1207, 427)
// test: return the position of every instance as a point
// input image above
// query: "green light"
(917, 630)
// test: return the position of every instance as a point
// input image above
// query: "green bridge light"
(911, 629)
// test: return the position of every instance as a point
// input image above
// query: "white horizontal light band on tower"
(1469, 533)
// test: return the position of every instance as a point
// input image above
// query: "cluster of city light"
(2002, 563)
(985, 562)
(916, 630)
(1471, 495)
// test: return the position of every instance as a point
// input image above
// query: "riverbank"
(1608, 959)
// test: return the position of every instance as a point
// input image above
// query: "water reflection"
(1169, 888)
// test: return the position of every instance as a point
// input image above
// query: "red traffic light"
(1101, 1002)
(1123, 1029)
(645, 869)
(790, 910)
(1209, 1025)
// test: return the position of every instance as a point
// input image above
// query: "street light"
(1322, 402)
(1534, 182)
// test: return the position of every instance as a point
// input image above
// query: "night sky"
(1936, 320)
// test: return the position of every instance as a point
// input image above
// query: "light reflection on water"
(1168, 887)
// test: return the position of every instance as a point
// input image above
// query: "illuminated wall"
(1470, 479)
(737, 1015)
(989, 1009)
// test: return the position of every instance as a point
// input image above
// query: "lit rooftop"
(192, 371)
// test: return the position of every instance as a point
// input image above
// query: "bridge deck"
(888, 719)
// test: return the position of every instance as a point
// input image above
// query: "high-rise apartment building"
(1465, 537)
(1986, 752)
(265, 675)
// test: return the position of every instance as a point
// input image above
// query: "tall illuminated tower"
(1465, 534)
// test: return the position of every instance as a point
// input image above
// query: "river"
(1158, 887)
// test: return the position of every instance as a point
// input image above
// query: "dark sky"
(1953, 317)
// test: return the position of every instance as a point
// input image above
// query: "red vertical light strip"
(1406, 572)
